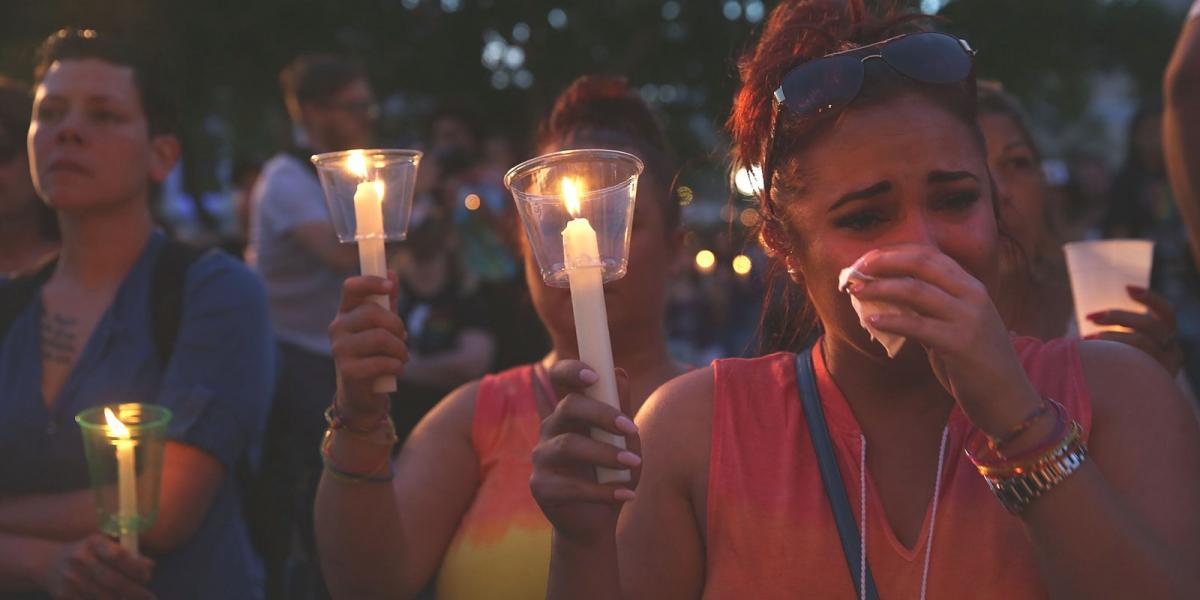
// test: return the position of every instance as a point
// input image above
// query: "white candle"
(127, 511)
(372, 256)
(581, 253)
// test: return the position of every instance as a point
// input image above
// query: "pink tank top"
(502, 547)
(771, 532)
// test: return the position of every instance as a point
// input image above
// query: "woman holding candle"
(458, 501)
(1036, 297)
(748, 462)
(101, 137)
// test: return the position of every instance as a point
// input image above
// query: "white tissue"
(890, 341)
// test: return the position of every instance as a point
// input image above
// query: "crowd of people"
(964, 442)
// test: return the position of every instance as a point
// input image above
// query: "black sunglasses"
(835, 80)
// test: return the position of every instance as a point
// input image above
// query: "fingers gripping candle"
(581, 255)
(370, 235)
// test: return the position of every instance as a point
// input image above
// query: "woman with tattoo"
(100, 140)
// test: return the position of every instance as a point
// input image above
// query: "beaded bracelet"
(335, 420)
(1019, 487)
(974, 447)
(996, 443)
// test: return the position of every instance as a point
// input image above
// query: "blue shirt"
(218, 385)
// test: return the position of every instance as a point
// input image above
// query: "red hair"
(602, 111)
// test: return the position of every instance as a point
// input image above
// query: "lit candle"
(368, 220)
(127, 511)
(581, 255)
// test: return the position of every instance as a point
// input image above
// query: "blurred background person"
(28, 228)
(295, 250)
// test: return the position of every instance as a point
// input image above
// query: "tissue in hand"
(890, 341)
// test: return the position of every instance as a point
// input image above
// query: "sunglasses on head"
(835, 80)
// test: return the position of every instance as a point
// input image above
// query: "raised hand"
(368, 341)
(565, 460)
(956, 322)
(1154, 332)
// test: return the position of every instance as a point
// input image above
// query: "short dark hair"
(317, 78)
(150, 77)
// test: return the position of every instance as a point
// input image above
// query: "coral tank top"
(771, 532)
(501, 550)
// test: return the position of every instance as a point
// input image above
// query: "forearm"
(584, 571)
(65, 517)
(1181, 129)
(469, 359)
(24, 561)
(1091, 546)
(359, 532)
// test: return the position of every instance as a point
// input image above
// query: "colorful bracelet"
(334, 418)
(370, 476)
(996, 443)
(983, 455)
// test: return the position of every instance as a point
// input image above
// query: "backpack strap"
(167, 295)
(18, 292)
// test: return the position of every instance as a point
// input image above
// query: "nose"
(69, 130)
(915, 228)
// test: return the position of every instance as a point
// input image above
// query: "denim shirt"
(218, 385)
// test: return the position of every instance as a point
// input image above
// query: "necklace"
(862, 513)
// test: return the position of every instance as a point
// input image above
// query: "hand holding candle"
(577, 208)
(369, 193)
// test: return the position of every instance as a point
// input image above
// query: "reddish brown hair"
(798, 31)
(601, 111)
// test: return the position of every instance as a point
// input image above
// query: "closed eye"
(959, 202)
(861, 220)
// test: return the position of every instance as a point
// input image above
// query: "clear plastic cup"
(394, 172)
(605, 187)
(147, 427)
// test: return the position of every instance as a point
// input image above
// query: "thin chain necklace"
(862, 514)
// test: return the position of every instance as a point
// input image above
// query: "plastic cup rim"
(163, 417)
(554, 157)
(327, 157)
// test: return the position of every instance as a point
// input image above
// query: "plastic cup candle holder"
(1100, 270)
(577, 207)
(369, 193)
(123, 444)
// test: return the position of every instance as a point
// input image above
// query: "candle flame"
(357, 163)
(379, 189)
(115, 426)
(571, 191)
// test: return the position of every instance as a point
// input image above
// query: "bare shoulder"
(452, 416)
(1128, 387)
(676, 425)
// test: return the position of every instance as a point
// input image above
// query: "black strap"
(18, 292)
(167, 295)
(831, 475)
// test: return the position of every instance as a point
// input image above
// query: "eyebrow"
(950, 176)
(879, 188)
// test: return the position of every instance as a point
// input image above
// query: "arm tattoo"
(59, 339)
